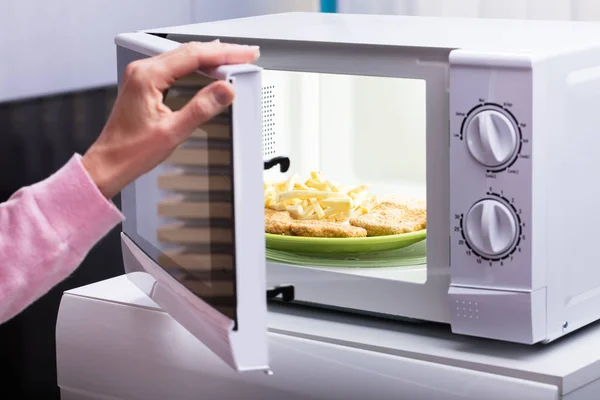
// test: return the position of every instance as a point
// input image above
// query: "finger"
(193, 56)
(206, 104)
(170, 53)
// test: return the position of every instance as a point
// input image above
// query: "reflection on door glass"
(185, 207)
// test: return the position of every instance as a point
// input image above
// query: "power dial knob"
(491, 138)
(491, 228)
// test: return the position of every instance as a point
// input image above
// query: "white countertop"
(569, 363)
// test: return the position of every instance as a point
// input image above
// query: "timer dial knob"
(491, 228)
(491, 138)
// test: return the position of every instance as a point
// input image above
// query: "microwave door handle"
(284, 163)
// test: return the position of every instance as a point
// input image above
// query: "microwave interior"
(356, 134)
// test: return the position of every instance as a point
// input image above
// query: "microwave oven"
(491, 122)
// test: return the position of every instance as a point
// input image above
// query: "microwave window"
(356, 146)
(184, 207)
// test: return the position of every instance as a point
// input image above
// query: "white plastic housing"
(537, 81)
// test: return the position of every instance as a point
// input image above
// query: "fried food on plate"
(319, 208)
(277, 222)
(316, 228)
(398, 201)
(281, 223)
(317, 199)
(393, 216)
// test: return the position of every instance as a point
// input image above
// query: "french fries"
(318, 199)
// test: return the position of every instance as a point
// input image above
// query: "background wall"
(57, 86)
(529, 9)
(65, 45)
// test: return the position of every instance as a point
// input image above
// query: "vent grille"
(268, 120)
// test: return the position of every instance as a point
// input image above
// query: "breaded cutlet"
(393, 216)
(282, 223)
(316, 228)
(396, 201)
(278, 222)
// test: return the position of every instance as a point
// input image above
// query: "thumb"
(205, 105)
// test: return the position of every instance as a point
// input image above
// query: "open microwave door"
(193, 239)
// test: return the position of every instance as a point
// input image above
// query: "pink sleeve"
(46, 230)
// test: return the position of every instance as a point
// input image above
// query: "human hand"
(142, 131)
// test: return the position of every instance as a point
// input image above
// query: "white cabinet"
(113, 342)
(131, 350)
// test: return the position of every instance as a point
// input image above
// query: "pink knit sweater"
(46, 230)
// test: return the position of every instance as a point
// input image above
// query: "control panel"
(490, 176)
(491, 229)
(492, 136)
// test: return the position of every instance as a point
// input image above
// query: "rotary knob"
(491, 228)
(491, 138)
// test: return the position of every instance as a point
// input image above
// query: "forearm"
(45, 232)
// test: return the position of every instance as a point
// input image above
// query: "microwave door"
(193, 239)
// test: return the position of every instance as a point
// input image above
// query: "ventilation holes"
(268, 120)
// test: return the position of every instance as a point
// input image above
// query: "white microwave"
(493, 122)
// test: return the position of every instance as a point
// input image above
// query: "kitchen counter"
(113, 341)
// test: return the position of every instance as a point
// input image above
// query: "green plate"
(371, 244)
(409, 256)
